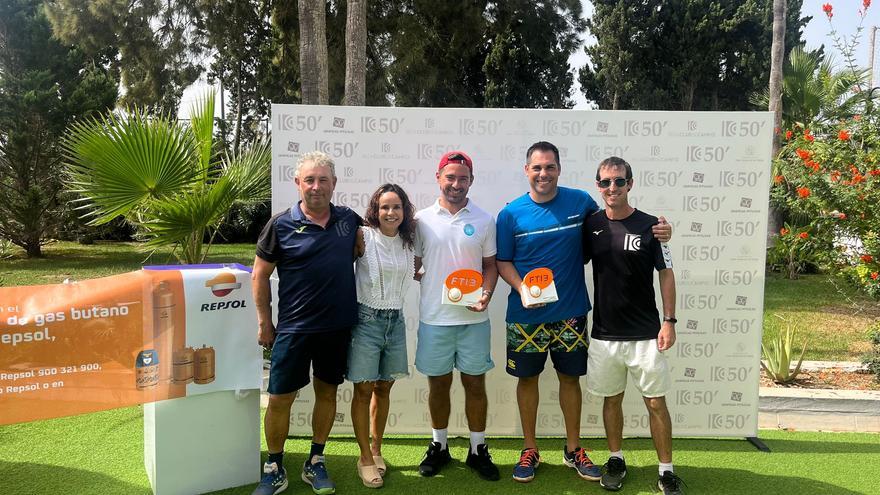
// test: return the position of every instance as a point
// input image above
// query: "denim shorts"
(378, 346)
(465, 347)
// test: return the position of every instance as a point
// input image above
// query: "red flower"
(803, 192)
(842, 216)
(813, 165)
(778, 179)
(835, 176)
(804, 154)
(788, 135)
(808, 136)
(857, 179)
(874, 275)
(803, 235)
(866, 258)
(874, 172)
(843, 135)
(827, 8)
(783, 231)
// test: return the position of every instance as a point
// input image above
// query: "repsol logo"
(563, 127)
(740, 128)
(706, 153)
(644, 128)
(381, 124)
(478, 127)
(735, 277)
(221, 305)
(702, 203)
(651, 178)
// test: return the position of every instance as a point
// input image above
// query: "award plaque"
(463, 288)
(538, 288)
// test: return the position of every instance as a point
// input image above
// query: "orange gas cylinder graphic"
(204, 365)
(183, 367)
(163, 327)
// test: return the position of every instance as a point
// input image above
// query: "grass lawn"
(102, 453)
(832, 316)
(78, 262)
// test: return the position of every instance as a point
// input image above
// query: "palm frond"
(119, 163)
(202, 125)
(250, 173)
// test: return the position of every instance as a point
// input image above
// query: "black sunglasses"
(618, 181)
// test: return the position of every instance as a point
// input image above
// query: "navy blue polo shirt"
(316, 289)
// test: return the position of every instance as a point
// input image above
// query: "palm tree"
(813, 93)
(163, 177)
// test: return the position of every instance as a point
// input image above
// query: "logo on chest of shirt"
(343, 229)
(469, 230)
(632, 242)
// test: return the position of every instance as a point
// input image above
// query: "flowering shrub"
(830, 178)
(827, 179)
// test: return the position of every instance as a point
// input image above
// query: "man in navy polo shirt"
(311, 244)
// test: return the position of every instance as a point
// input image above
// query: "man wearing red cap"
(455, 234)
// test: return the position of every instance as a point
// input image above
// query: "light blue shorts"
(465, 347)
(378, 346)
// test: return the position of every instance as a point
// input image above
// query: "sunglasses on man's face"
(618, 181)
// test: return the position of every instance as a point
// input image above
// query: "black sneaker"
(435, 458)
(481, 462)
(670, 484)
(614, 472)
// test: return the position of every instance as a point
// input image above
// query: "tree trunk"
(355, 53)
(313, 52)
(777, 52)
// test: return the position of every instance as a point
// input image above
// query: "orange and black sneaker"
(580, 461)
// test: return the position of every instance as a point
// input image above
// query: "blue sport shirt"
(534, 235)
(316, 287)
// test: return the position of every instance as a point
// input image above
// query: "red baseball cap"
(456, 157)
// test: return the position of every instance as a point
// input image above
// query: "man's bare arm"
(262, 296)
(666, 337)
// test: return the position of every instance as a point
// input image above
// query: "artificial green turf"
(102, 453)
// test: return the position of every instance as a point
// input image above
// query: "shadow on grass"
(34, 478)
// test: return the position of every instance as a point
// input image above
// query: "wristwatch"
(670, 319)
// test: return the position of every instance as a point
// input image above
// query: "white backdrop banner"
(707, 172)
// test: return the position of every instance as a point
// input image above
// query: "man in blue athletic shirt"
(542, 229)
(312, 245)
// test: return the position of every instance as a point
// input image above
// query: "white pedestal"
(203, 442)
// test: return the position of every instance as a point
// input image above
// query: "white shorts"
(610, 360)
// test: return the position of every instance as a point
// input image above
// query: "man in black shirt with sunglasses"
(628, 337)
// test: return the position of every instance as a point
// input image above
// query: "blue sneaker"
(274, 480)
(580, 461)
(315, 474)
(524, 470)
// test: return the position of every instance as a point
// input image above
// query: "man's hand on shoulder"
(666, 337)
(663, 230)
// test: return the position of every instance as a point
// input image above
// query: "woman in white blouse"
(377, 355)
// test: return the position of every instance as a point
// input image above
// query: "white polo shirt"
(446, 243)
